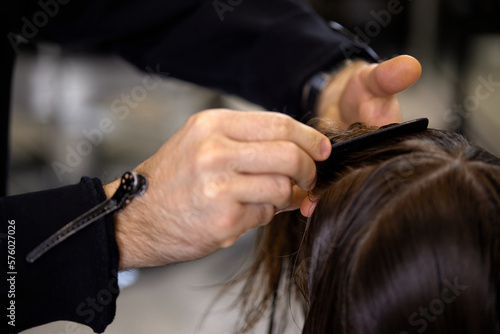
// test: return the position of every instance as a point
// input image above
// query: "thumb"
(392, 76)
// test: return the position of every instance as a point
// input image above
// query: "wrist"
(313, 89)
(329, 101)
(110, 188)
(124, 231)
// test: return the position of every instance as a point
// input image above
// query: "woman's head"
(404, 238)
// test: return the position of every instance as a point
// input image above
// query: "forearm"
(76, 280)
(127, 235)
(263, 50)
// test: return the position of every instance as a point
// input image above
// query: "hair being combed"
(408, 225)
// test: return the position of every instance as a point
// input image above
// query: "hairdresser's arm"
(262, 50)
(362, 92)
(223, 173)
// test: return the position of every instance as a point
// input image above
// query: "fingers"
(252, 216)
(299, 195)
(260, 143)
(392, 76)
(262, 189)
(277, 157)
(307, 206)
(272, 126)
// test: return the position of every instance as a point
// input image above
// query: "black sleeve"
(77, 279)
(262, 50)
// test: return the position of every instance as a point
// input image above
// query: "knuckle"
(225, 225)
(292, 156)
(265, 214)
(315, 141)
(203, 120)
(210, 154)
(281, 124)
(195, 120)
(228, 243)
(283, 189)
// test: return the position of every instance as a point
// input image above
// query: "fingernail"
(326, 147)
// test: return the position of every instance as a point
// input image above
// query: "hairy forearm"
(128, 237)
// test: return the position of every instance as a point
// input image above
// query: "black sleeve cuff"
(77, 279)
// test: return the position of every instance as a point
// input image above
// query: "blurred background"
(60, 96)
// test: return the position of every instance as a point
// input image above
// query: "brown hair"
(405, 238)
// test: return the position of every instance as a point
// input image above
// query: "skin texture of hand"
(223, 173)
(363, 92)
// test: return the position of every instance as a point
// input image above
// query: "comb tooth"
(339, 150)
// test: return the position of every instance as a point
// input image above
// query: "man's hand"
(223, 173)
(363, 92)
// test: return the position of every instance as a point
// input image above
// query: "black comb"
(340, 149)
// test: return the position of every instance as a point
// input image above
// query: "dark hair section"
(405, 238)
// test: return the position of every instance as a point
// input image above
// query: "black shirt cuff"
(77, 279)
